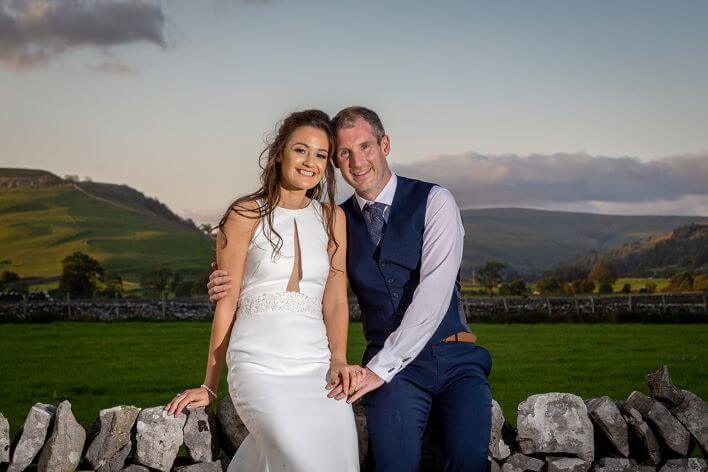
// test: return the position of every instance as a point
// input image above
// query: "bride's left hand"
(344, 379)
(189, 399)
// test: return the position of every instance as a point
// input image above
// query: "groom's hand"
(369, 382)
(218, 283)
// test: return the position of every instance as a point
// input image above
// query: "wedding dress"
(278, 356)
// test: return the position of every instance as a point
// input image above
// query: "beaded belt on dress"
(295, 302)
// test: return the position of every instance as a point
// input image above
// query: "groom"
(404, 249)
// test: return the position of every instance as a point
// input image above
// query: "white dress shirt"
(443, 237)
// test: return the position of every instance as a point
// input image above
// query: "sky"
(595, 106)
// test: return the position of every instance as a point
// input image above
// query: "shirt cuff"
(387, 365)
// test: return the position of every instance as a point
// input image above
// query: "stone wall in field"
(554, 432)
(682, 307)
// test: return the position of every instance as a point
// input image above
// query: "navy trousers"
(454, 377)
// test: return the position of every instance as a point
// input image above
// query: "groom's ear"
(385, 145)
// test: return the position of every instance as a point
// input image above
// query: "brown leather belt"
(462, 337)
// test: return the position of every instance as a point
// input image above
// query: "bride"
(282, 327)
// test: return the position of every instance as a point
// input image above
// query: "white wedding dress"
(278, 355)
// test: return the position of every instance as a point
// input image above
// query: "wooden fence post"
(68, 305)
(592, 304)
(629, 303)
(506, 307)
(663, 303)
(548, 303)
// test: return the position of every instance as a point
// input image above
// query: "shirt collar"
(385, 196)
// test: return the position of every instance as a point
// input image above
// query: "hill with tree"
(531, 241)
(44, 218)
(685, 249)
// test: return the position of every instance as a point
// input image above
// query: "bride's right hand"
(218, 283)
(344, 379)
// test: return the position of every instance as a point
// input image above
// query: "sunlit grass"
(98, 365)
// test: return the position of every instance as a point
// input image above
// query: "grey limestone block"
(692, 412)
(62, 451)
(110, 434)
(201, 437)
(498, 449)
(212, 466)
(608, 420)
(675, 436)
(31, 436)
(158, 438)
(644, 445)
(693, 464)
(567, 464)
(135, 468)
(616, 464)
(555, 423)
(116, 462)
(232, 429)
(519, 462)
(661, 387)
(4, 439)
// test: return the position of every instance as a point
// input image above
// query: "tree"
(605, 287)
(549, 286)
(489, 276)
(580, 286)
(9, 277)
(518, 287)
(113, 285)
(80, 274)
(175, 282)
(205, 228)
(157, 281)
(200, 286)
(10, 281)
(184, 288)
(626, 288)
(700, 283)
(650, 287)
(603, 272)
(681, 282)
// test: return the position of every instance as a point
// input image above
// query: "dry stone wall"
(555, 432)
(679, 307)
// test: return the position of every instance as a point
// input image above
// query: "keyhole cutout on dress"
(296, 275)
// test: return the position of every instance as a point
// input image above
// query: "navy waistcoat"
(384, 278)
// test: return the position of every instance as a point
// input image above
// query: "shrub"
(605, 287)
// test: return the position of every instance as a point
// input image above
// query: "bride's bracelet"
(209, 390)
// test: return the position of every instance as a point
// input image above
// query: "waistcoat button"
(390, 280)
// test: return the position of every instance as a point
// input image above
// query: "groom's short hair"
(347, 117)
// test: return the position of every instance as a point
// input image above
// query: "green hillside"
(683, 249)
(44, 218)
(532, 241)
(42, 224)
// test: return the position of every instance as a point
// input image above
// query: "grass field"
(40, 226)
(98, 365)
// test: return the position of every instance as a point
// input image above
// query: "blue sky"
(527, 101)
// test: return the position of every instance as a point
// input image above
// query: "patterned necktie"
(374, 217)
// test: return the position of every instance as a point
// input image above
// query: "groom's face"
(362, 159)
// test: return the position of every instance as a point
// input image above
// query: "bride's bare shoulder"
(241, 216)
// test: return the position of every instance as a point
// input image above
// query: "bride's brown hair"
(269, 192)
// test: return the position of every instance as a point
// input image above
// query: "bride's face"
(304, 158)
